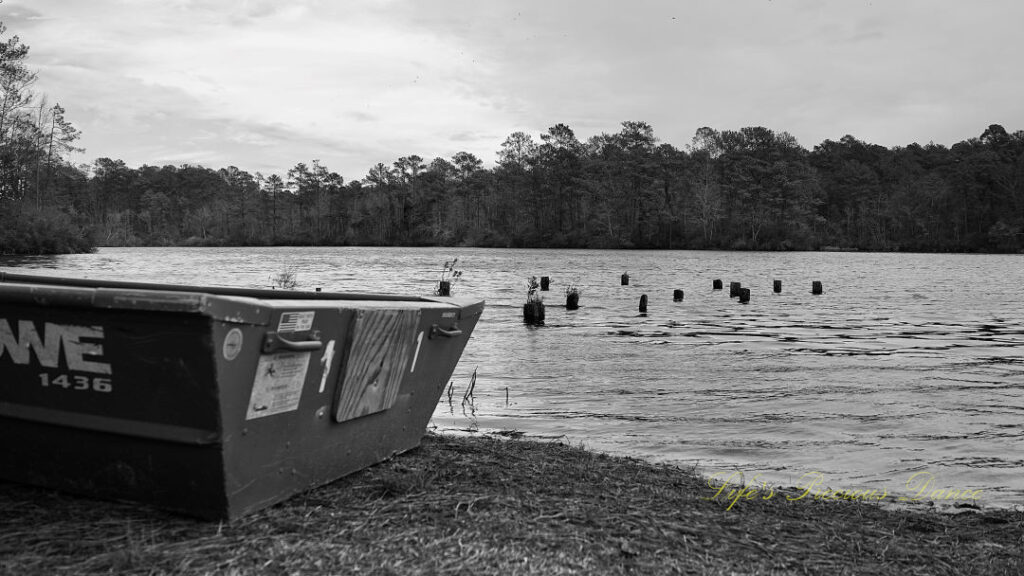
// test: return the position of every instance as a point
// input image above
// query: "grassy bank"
(486, 506)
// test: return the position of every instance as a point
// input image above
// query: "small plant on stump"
(286, 279)
(533, 310)
(532, 287)
(448, 277)
(572, 296)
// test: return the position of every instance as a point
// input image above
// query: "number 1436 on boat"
(76, 382)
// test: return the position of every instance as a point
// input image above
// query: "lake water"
(907, 364)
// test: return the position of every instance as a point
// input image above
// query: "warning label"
(278, 384)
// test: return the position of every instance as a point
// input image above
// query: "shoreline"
(461, 505)
(920, 492)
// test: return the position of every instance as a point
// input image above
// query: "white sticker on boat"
(325, 364)
(416, 356)
(232, 344)
(296, 321)
(278, 384)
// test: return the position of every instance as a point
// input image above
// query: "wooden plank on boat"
(382, 345)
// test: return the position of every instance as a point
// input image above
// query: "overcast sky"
(263, 85)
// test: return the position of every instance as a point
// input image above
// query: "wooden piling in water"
(716, 284)
(816, 287)
(744, 295)
(533, 312)
(444, 288)
(777, 286)
(643, 303)
(734, 289)
(677, 295)
(572, 301)
(544, 283)
(625, 278)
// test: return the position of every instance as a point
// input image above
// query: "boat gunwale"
(257, 293)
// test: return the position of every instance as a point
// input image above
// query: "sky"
(263, 85)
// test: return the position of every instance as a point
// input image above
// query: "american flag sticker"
(296, 321)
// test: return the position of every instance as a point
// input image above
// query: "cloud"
(336, 75)
(816, 69)
(20, 17)
(266, 84)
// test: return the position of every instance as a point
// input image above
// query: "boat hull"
(214, 402)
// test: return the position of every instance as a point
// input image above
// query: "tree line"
(751, 188)
(36, 181)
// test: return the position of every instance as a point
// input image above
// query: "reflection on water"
(15, 261)
(907, 362)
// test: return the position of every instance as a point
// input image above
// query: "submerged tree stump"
(544, 283)
(744, 295)
(777, 286)
(734, 289)
(533, 312)
(625, 279)
(643, 303)
(716, 284)
(677, 295)
(572, 301)
(816, 287)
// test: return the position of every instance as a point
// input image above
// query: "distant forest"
(747, 189)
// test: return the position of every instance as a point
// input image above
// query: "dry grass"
(489, 506)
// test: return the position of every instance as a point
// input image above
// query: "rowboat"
(211, 401)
